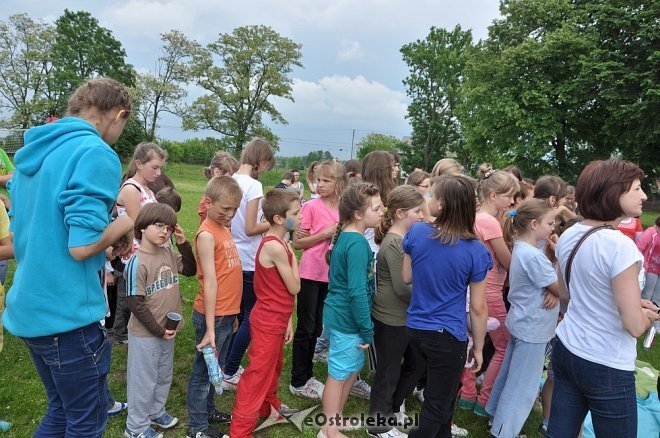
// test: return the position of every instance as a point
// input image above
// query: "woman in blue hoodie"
(64, 187)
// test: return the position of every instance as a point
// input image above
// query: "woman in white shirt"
(594, 357)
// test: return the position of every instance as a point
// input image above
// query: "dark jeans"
(394, 380)
(240, 341)
(201, 393)
(445, 357)
(310, 324)
(122, 312)
(73, 367)
(581, 386)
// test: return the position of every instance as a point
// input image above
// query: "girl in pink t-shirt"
(319, 224)
(496, 192)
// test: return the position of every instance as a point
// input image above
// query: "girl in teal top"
(347, 311)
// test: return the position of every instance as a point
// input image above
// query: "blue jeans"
(445, 357)
(516, 386)
(200, 391)
(241, 339)
(73, 367)
(581, 386)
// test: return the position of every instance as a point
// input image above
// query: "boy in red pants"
(276, 283)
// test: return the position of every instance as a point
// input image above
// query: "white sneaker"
(402, 419)
(392, 433)
(318, 385)
(309, 390)
(419, 393)
(458, 431)
(231, 383)
(240, 370)
(361, 389)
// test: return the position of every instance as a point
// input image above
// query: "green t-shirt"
(350, 291)
(6, 166)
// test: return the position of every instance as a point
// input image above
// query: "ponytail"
(400, 198)
(333, 241)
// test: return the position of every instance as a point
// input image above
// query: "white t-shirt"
(592, 328)
(247, 245)
(529, 274)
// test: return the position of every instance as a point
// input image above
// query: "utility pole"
(352, 144)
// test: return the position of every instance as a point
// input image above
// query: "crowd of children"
(416, 277)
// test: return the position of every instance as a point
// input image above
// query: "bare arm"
(635, 318)
(113, 232)
(129, 197)
(275, 253)
(5, 178)
(6, 248)
(312, 239)
(206, 254)
(252, 227)
(478, 320)
(502, 252)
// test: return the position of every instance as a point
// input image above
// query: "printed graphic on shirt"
(231, 253)
(166, 278)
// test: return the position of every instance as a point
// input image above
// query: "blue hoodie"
(63, 190)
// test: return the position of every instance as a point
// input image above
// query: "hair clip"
(513, 213)
(489, 173)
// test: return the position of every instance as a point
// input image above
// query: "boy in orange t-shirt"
(220, 277)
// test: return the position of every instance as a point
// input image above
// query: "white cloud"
(349, 50)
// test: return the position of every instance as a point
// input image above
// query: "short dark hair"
(170, 197)
(153, 213)
(550, 185)
(657, 221)
(277, 202)
(601, 185)
(288, 175)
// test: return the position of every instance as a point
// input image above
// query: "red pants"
(257, 389)
(500, 338)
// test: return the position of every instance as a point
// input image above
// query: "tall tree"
(163, 90)
(83, 49)
(241, 72)
(433, 84)
(379, 142)
(24, 66)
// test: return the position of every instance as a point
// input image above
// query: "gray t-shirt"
(529, 274)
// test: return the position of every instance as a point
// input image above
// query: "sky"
(351, 80)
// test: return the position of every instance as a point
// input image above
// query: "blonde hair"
(223, 186)
(224, 161)
(445, 166)
(144, 152)
(496, 181)
(400, 198)
(517, 221)
(333, 169)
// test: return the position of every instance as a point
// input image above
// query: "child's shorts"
(344, 355)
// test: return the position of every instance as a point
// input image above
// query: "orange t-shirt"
(228, 272)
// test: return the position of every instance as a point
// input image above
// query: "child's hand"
(552, 241)
(208, 339)
(123, 246)
(169, 334)
(288, 335)
(178, 235)
(363, 346)
(476, 357)
(549, 300)
(302, 233)
(329, 231)
(235, 325)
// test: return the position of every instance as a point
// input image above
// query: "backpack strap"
(569, 263)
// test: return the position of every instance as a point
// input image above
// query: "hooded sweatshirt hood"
(64, 187)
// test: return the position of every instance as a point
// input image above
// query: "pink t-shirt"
(649, 246)
(630, 227)
(316, 216)
(487, 229)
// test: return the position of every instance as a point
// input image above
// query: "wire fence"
(11, 140)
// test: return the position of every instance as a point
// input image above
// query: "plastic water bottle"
(650, 335)
(215, 375)
(4, 426)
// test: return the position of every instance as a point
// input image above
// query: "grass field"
(22, 397)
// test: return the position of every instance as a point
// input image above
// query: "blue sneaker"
(116, 409)
(165, 421)
(148, 433)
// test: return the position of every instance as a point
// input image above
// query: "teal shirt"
(351, 289)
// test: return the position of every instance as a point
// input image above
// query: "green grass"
(22, 397)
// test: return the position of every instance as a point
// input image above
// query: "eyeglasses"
(162, 227)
